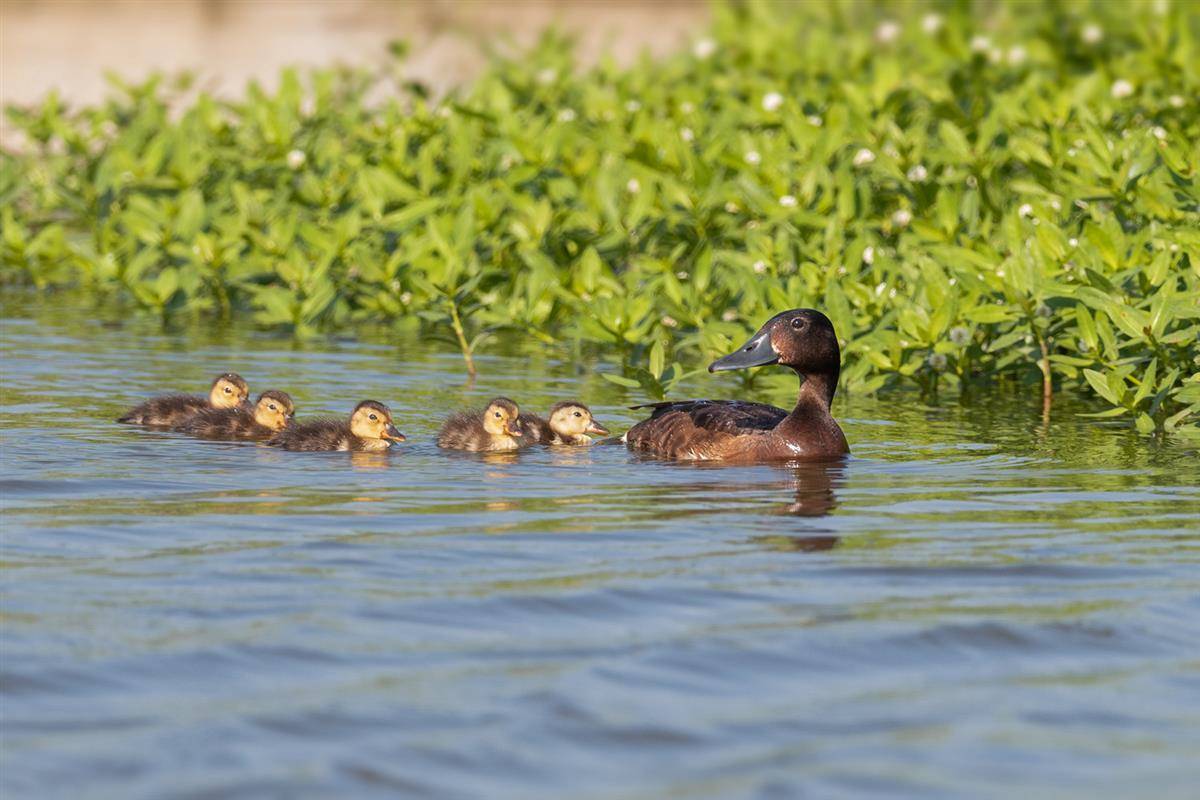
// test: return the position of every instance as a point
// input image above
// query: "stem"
(1047, 386)
(456, 323)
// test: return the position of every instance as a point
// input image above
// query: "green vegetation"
(998, 194)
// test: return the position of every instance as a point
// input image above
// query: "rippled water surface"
(978, 602)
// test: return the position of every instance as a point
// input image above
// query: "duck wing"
(701, 429)
(165, 411)
(535, 430)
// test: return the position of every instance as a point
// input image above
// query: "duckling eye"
(578, 414)
(272, 407)
(228, 390)
(497, 415)
(374, 417)
(798, 323)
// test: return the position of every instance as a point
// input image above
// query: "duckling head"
(228, 391)
(573, 421)
(372, 420)
(500, 418)
(274, 410)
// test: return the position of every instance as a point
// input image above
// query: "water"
(979, 602)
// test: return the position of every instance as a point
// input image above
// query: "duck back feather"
(230, 424)
(166, 411)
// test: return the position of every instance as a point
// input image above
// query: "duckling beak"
(392, 434)
(596, 428)
(512, 430)
(755, 353)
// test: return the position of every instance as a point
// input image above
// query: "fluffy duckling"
(570, 423)
(369, 427)
(498, 427)
(272, 413)
(228, 391)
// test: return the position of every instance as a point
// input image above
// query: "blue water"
(980, 602)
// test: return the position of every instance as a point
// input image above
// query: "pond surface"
(979, 602)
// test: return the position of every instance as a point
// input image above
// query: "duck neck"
(814, 400)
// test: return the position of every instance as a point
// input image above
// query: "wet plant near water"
(1008, 195)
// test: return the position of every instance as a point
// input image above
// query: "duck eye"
(373, 416)
(228, 390)
(798, 323)
(578, 414)
(273, 408)
(497, 415)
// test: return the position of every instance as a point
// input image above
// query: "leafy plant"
(975, 194)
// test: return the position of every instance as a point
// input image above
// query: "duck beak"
(512, 430)
(597, 428)
(392, 434)
(755, 353)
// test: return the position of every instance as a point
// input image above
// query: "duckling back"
(464, 431)
(166, 411)
(231, 424)
(537, 430)
(317, 435)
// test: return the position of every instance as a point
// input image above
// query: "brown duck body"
(166, 411)
(230, 424)
(464, 431)
(325, 434)
(735, 430)
(738, 431)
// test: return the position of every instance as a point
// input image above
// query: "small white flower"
(960, 335)
(686, 134)
(892, 295)
(772, 101)
(296, 159)
(507, 160)
(633, 106)
(1025, 210)
(731, 208)
(1174, 248)
(1175, 101)
(682, 275)
(890, 151)
(308, 107)
(729, 316)
(752, 157)
(787, 201)
(687, 107)
(868, 255)
(932, 23)
(1017, 55)
(566, 115)
(902, 217)
(1121, 88)
(633, 186)
(917, 173)
(1071, 152)
(1159, 132)
(1073, 242)
(887, 32)
(547, 75)
(1091, 33)
(406, 298)
(815, 121)
(704, 48)
(841, 270)
(879, 289)
(669, 322)
(937, 362)
(1056, 204)
(760, 267)
(972, 181)
(980, 44)
(863, 157)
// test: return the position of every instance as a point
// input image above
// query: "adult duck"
(734, 430)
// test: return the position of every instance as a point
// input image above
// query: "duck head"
(372, 420)
(573, 421)
(500, 418)
(802, 339)
(274, 410)
(228, 391)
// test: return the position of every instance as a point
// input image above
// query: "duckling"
(497, 427)
(228, 391)
(570, 423)
(272, 413)
(369, 427)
